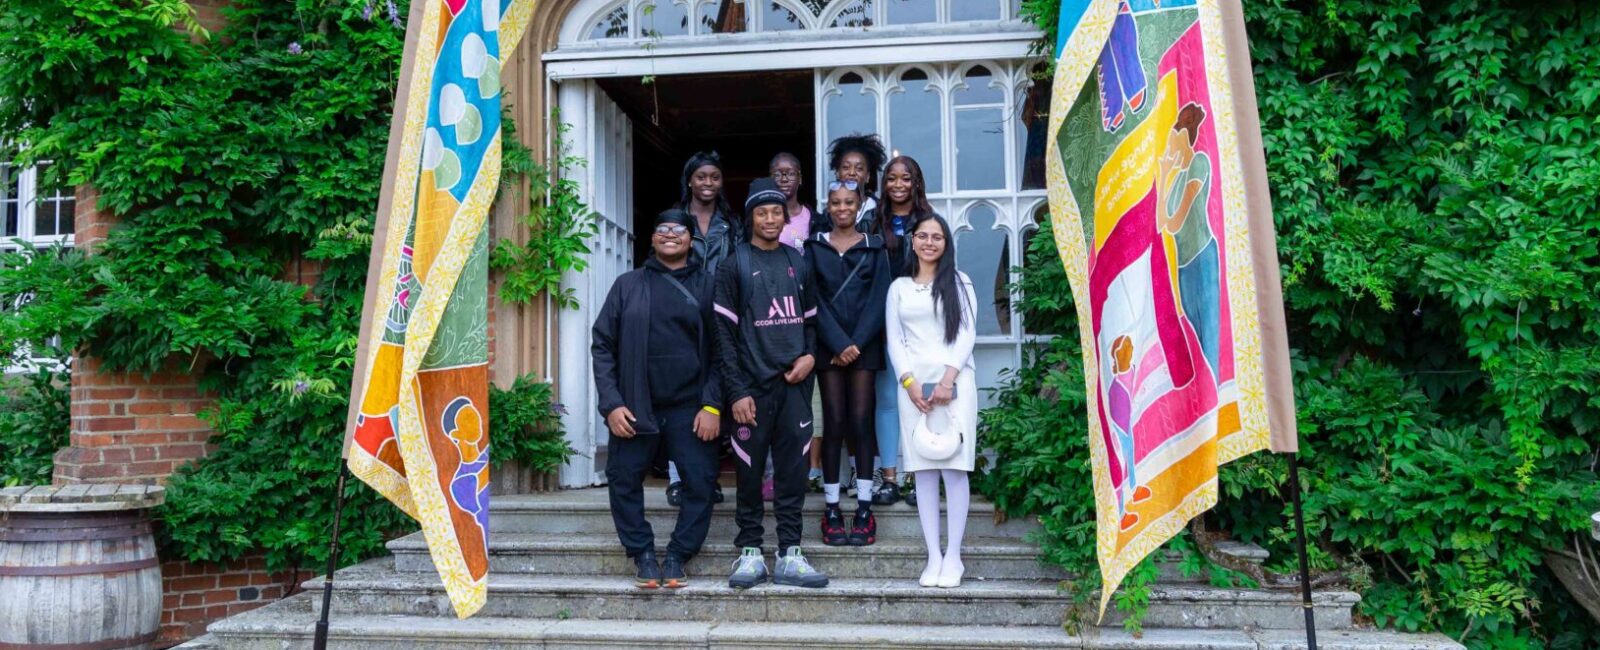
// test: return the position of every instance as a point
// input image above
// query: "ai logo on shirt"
(783, 308)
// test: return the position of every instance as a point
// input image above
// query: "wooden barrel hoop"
(108, 644)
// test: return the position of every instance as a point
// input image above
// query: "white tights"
(959, 495)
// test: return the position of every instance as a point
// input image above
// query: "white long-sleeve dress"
(915, 330)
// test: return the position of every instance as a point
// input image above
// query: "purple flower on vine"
(301, 386)
(294, 48)
(394, 13)
(366, 12)
(559, 408)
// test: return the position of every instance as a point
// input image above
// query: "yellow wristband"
(711, 411)
(907, 381)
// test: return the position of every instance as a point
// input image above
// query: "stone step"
(594, 555)
(376, 588)
(588, 511)
(288, 625)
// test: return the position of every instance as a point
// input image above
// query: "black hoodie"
(852, 289)
(630, 367)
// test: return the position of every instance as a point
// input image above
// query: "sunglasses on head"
(849, 185)
(671, 229)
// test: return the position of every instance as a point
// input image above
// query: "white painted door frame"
(603, 136)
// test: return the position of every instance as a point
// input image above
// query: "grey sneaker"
(749, 570)
(793, 570)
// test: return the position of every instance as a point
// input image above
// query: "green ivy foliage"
(243, 168)
(35, 421)
(1433, 167)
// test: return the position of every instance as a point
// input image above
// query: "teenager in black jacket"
(657, 385)
(851, 275)
(766, 332)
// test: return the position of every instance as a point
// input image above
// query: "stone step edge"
(291, 619)
(392, 582)
(531, 543)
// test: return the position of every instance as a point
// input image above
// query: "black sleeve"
(808, 303)
(870, 324)
(711, 392)
(727, 304)
(606, 333)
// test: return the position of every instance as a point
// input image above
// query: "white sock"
(672, 471)
(928, 511)
(958, 494)
(864, 490)
(830, 493)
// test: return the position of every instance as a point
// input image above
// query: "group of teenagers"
(719, 339)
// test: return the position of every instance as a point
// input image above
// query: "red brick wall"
(196, 594)
(131, 427)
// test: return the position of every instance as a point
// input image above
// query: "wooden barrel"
(78, 568)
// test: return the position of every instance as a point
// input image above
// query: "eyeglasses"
(934, 237)
(671, 229)
(785, 175)
(849, 185)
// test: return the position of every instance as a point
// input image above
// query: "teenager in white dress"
(930, 324)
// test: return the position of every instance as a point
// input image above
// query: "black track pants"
(783, 426)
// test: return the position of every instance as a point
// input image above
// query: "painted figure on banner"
(419, 433)
(1157, 251)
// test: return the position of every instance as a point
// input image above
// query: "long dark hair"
(946, 284)
(920, 207)
(686, 197)
(868, 146)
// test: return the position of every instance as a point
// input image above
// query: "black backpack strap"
(677, 284)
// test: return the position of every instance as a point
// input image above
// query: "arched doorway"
(643, 82)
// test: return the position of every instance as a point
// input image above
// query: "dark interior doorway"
(745, 117)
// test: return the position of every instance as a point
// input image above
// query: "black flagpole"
(1305, 564)
(320, 642)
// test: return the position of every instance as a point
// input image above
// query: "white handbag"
(937, 445)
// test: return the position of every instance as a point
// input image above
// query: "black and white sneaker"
(675, 494)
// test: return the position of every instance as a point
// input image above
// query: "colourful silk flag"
(1160, 211)
(418, 431)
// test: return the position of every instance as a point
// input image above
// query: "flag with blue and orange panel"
(1160, 210)
(420, 399)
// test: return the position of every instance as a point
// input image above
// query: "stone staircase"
(559, 580)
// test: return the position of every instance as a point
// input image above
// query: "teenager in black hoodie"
(766, 332)
(850, 272)
(658, 385)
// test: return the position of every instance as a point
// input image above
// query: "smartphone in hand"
(927, 391)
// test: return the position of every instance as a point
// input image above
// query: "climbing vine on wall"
(243, 169)
(1433, 167)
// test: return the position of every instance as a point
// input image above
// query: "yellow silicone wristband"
(907, 382)
(711, 411)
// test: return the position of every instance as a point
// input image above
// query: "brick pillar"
(131, 427)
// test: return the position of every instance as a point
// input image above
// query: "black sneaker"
(672, 575)
(887, 494)
(833, 531)
(864, 530)
(649, 574)
(908, 493)
(675, 494)
(716, 496)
